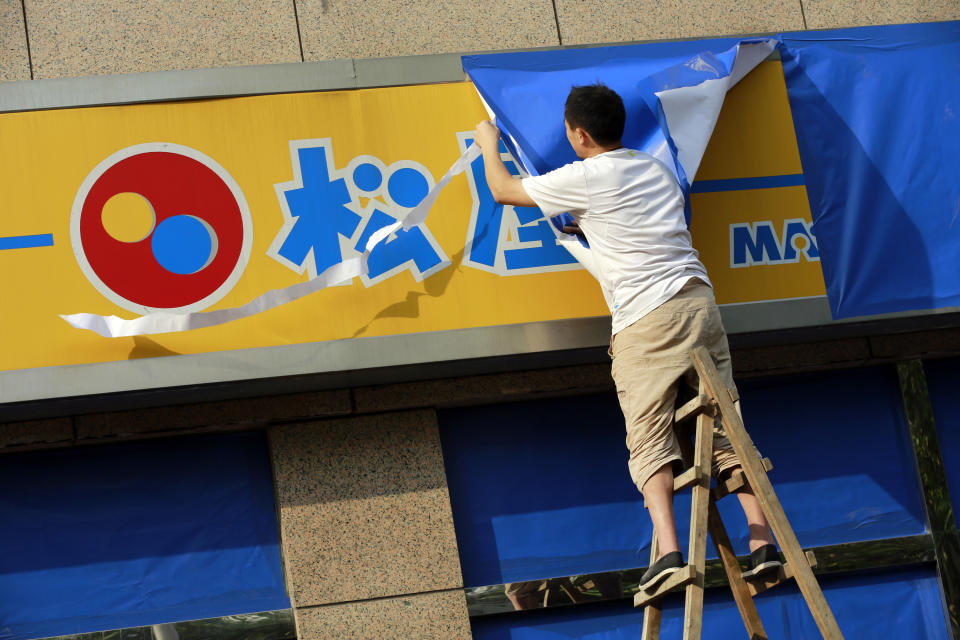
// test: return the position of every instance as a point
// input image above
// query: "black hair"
(598, 110)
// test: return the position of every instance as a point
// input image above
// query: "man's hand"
(504, 188)
(574, 228)
(487, 136)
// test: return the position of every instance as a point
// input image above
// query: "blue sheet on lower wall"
(136, 534)
(943, 380)
(891, 604)
(541, 489)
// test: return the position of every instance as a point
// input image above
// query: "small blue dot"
(182, 244)
(367, 177)
(407, 187)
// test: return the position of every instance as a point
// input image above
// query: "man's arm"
(506, 189)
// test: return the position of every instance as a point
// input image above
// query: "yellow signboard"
(207, 204)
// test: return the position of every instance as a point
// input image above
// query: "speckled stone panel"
(381, 28)
(231, 414)
(440, 615)
(829, 14)
(14, 62)
(35, 434)
(364, 508)
(601, 21)
(90, 37)
(501, 387)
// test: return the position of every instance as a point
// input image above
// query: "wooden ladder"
(716, 402)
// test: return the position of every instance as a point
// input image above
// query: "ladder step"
(685, 576)
(700, 404)
(688, 478)
(767, 581)
(736, 482)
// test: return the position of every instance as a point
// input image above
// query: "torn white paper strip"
(165, 322)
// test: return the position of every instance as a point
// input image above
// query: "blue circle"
(182, 244)
(407, 187)
(367, 177)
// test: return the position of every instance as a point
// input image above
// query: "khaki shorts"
(650, 361)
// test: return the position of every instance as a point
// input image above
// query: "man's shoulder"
(567, 171)
(632, 162)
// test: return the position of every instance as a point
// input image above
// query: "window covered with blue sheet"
(540, 489)
(943, 380)
(135, 534)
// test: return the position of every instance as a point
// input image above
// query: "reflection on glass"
(551, 592)
(614, 585)
(268, 625)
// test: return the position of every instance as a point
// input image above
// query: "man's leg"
(760, 533)
(658, 498)
(714, 338)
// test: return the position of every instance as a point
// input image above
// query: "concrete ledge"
(36, 434)
(237, 414)
(483, 389)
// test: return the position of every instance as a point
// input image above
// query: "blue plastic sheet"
(527, 91)
(877, 115)
(889, 604)
(136, 534)
(943, 380)
(541, 489)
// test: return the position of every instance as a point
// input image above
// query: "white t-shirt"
(630, 209)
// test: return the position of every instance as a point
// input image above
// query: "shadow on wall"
(434, 286)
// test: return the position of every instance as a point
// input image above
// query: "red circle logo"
(196, 245)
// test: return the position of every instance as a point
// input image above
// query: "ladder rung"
(685, 576)
(686, 479)
(698, 405)
(767, 581)
(736, 482)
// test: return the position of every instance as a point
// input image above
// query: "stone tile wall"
(598, 21)
(85, 37)
(832, 14)
(333, 29)
(14, 60)
(365, 518)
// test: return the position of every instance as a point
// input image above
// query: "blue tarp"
(137, 534)
(887, 604)
(527, 90)
(943, 380)
(541, 489)
(877, 114)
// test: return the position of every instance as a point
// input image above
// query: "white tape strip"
(164, 322)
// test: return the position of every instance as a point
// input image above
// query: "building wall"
(87, 37)
(364, 512)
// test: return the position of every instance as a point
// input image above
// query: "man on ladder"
(631, 210)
